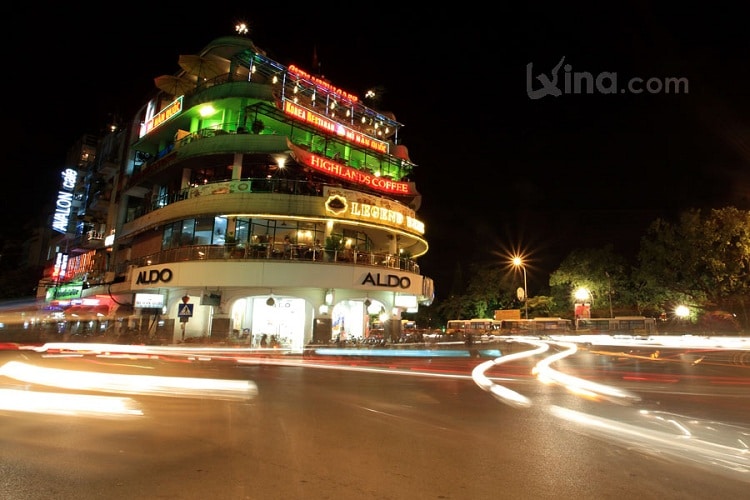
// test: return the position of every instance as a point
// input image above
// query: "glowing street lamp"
(241, 28)
(682, 312)
(518, 262)
(583, 298)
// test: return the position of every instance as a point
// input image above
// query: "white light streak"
(189, 387)
(67, 404)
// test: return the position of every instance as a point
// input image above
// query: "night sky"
(498, 170)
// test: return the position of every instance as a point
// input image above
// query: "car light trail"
(498, 391)
(729, 459)
(546, 374)
(67, 404)
(188, 387)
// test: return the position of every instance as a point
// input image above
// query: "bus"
(536, 326)
(475, 327)
(619, 325)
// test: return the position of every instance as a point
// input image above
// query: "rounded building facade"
(254, 201)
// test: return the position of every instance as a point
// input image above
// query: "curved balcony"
(267, 198)
(273, 252)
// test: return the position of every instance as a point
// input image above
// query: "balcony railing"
(255, 185)
(296, 253)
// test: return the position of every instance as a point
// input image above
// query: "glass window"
(220, 230)
(166, 236)
(204, 227)
(188, 232)
(242, 231)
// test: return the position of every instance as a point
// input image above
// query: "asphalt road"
(379, 428)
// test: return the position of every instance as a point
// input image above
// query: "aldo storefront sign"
(154, 277)
(387, 280)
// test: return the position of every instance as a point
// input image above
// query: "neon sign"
(173, 109)
(64, 203)
(358, 206)
(334, 169)
(322, 84)
(61, 266)
(321, 122)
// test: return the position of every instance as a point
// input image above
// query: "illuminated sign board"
(357, 206)
(349, 174)
(406, 301)
(149, 300)
(173, 109)
(109, 240)
(61, 266)
(319, 82)
(64, 203)
(321, 122)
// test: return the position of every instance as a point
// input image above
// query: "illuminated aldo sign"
(154, 276)
(389, 280)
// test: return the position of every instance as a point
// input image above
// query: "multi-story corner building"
(248, 198)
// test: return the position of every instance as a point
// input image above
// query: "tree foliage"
(599, 270)
(701, 260)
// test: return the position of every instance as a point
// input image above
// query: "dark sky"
(498, 171)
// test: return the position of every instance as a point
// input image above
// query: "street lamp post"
(583, 299)
(518, 262)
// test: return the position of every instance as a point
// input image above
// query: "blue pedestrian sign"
(185, 311)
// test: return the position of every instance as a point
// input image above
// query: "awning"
(203, 68)
(87, 312)
(174, 85)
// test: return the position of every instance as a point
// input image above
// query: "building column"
(237, 167)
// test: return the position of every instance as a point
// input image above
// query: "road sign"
(185, 311)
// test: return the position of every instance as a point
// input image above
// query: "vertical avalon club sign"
(64, 203)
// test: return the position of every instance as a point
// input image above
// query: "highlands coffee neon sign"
(349, 174)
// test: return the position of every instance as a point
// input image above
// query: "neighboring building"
(247, 198)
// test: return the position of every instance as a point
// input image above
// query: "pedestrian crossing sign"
(186, 310)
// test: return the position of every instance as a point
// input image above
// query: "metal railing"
(268, 252)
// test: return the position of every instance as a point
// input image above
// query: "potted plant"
(230, 243)
(257, 127)
(333, 245)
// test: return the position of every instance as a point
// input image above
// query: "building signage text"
(154, 276)
(64, 203)
(319, 121)
(341, 203)
(389, 280)
(349, 174)
(319, 82)
(173, 109)
(61, 266)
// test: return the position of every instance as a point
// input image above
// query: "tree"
(487, 289)
(601, 271)
(702, 259)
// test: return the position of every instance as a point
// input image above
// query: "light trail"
(79, 405)
(185, 387)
